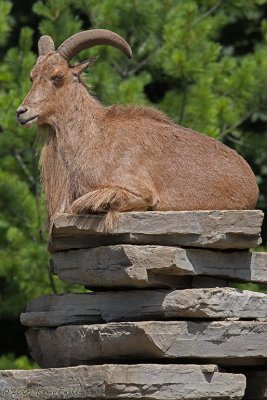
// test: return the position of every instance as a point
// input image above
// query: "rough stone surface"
(223, 342)
(150, 381)
(155, 266)
(214, 229)
(53, 310)
(256, 384)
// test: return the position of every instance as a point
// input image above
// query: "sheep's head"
(52, 72)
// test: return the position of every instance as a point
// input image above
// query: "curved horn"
(86, 39)
(45, 45)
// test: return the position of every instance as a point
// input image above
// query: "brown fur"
(108, 159)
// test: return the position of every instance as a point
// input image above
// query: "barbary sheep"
(122, 158)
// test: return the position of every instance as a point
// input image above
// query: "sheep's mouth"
(28, 122)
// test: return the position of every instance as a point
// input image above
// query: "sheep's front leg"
(112, 199)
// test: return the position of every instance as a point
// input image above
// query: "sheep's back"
(188, 170)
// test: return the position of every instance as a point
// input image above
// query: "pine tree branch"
(33, 179)
(239, 142)
(24, 167)
(139, 66)
(209, 12)
(236, 125)
(126, 72)
(116, 67)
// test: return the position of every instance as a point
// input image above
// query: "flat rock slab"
(149, 381)
(155, 266)
(223, 342)
(256, 384)
(57, 310)
(212, 229)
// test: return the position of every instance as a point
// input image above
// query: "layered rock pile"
(162, 321)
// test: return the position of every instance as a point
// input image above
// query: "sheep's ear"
(78, 69)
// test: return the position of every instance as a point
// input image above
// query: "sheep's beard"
(54, 175)
(43, 132)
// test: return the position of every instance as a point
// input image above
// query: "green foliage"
(5, 20)
(24, 259)
(250, 286)
(58, 19)
(8, 361)
(204, 62)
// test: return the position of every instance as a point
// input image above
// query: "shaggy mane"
(137, 112)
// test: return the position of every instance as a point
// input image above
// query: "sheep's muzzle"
(25, 116)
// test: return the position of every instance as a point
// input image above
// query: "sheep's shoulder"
(136, 114)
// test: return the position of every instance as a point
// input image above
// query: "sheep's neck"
(77, 120)
(67, 149)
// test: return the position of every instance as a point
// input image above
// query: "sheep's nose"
(21, 110)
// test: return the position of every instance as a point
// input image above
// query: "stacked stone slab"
(162, 322)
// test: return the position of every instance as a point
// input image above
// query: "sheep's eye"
(31, 79)
(57, 78)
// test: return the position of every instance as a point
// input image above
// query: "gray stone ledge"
(149, 381)
(224, 342)
(211, 229)
(155, 266)
(86, 308)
